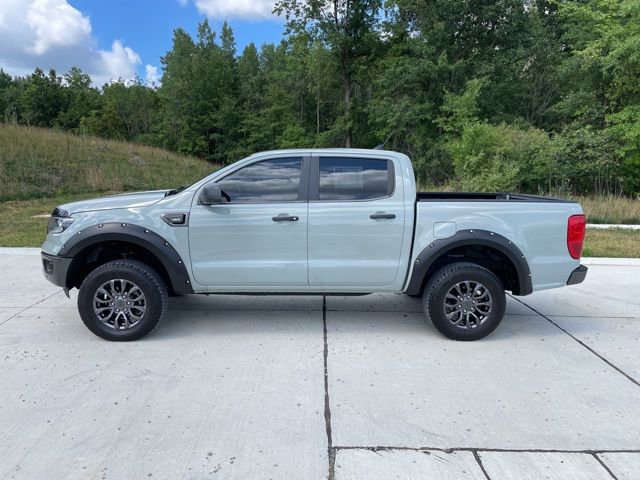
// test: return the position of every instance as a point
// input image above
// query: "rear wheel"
(122, 300)
(464, 301)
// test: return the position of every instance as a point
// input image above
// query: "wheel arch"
(488, 249)
(101, 243)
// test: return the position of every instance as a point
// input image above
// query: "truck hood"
(125, 200)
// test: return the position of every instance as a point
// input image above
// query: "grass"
(612, 243)
(40, 163)
(611, 209)
(22, 224)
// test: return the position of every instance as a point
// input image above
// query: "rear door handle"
(382, 216)
(285, 218)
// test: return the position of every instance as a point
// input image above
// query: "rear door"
(356, 221)
(258, 238)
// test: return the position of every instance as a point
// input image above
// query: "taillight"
(575, 234)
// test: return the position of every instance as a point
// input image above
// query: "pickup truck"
(316, 222)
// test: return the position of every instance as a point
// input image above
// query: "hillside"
(37, 163)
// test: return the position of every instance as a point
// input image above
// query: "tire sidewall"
(443, 281)
(144, 278)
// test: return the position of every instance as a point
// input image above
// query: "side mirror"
(211, 194)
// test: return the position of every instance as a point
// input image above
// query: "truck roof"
(333, 151)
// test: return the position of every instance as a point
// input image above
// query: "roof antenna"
(381, 146)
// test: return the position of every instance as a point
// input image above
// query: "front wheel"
(464, 301)
(122, 300)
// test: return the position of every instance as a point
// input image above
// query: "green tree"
(80, 99)
(601, 110)
(348, 28)
(198, 94)
(6, 82)
(125, 112)
(40, 99)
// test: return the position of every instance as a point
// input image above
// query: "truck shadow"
(395, 317)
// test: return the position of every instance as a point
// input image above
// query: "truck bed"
(536, 225)
(484, 197)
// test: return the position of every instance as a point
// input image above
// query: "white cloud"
(225, 9)
(119, 62)
(152, 75)
(54, 34)
(56, 23)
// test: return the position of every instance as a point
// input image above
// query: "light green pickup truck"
(326, 222)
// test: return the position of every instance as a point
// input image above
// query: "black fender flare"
(470, 237)
(137, 235)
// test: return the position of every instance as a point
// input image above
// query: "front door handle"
(283, 217)
(382, 216)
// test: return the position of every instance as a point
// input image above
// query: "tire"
(132, 286)
(479, 302)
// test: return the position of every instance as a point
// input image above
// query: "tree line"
(529, 95)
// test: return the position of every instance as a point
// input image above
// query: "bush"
(501, 158)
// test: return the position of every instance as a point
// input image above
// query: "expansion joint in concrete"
(605, 360)
(30, 306)
(604, 465)
(381, 448)
(331, 452)
(479, 461)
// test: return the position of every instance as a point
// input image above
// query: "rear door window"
(343, 178)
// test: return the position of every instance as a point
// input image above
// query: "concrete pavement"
(309, 388)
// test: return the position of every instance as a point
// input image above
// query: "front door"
(258, 237)
(356, 222)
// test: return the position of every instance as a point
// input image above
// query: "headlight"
(59, 221)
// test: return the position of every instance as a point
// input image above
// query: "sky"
(117, 39)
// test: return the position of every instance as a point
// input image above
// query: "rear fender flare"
(470, 237)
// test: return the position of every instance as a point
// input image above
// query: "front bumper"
(578, 275)
(55, 269)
